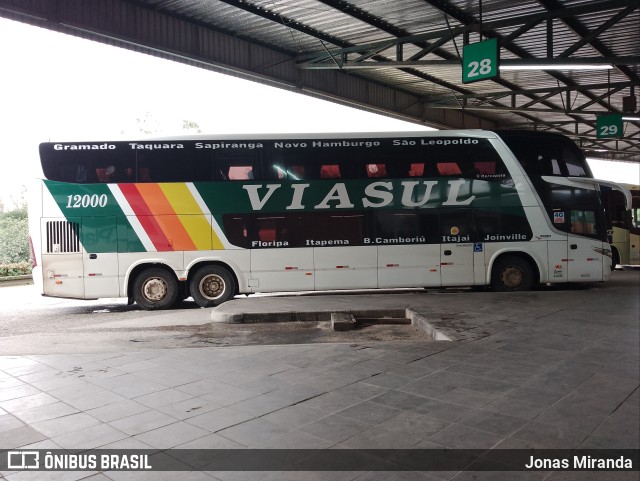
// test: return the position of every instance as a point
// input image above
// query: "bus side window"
(376, 170)
(233, 171)
(456, 225)
(236, 166)
(490, 224)
(583, 222)
(266, 229)
(81, 174)
(240, 172)
(417, 169)
(277, 231)
(391, 224)
(335, 226)
(574, 165)
(484, 168)
(448, 168)
(112, 173)
(296, 172)
(398, 169)
(143, 174)
(330, 171)
(238, 229)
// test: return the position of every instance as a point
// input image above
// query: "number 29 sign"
(609, 126)
(480, 61)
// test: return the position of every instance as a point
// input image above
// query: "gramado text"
(377, 194)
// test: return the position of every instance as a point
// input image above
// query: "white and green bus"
(624, 226)
(157, 221)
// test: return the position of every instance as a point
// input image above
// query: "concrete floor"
(551, 369)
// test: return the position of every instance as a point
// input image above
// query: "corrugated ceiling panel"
(198, 28)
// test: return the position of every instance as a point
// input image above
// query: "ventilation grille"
(62, 236)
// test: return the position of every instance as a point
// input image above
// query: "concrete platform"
(555, 368)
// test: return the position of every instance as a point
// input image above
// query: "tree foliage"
(14, 237)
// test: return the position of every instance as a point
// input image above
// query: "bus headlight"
(604, 252)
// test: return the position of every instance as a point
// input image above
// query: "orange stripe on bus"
(166, 217)
(144, 215)
(191, 215)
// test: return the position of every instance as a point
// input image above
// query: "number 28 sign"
(480, 61)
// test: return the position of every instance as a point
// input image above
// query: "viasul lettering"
(411, 193)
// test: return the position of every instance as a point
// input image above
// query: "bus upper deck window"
(296, 172)
(330, 171)
(143, 174)
(448, 168)
(485, 167)
(240, 172)
(376, 170)
(416, 170)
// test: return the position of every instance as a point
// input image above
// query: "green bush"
(15, 269)
(14, 239)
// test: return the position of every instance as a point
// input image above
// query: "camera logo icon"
(23, 460)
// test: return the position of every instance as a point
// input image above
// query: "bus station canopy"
(563, 63)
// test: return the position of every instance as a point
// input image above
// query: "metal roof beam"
(339, 63)
(290, 23)
(584, 32)
(509, 108)
(505, 93)
(599, 98)
(362, 15)
(594, 33)
(472, 26)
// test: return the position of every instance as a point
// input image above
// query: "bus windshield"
(542, 156)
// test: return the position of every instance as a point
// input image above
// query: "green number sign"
(480, 61)
(609, 126)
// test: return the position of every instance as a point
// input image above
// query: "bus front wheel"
(512, 273)
(211, 286)
(155, 289)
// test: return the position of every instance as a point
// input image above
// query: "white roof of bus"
(335, 135)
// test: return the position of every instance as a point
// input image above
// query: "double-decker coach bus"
(624, 225)
(158, 221)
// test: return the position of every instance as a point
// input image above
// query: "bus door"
(62, 267)
(456, 248)
(100, 257)
(584, 263)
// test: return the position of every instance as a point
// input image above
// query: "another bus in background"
(623, 225)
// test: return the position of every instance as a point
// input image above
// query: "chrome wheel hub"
(512, 277)
(212, 286)
(154, 289)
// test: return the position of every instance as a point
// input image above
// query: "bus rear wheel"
(155, 288)
(512, 273)
(211, 286)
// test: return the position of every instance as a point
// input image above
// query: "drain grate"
(341, 321)
(390, 321)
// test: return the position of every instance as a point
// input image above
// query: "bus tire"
(212, 285)
(155, 288)
(511, 274)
